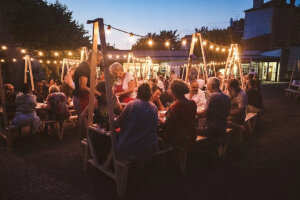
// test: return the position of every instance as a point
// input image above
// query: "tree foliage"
(159, 41)
(40, 25)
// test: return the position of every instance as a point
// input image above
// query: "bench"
(224, 142)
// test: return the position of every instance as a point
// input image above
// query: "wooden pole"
(291, 81)
(30, 72)
(203, 55)
(25, 69)
(226, 67)
(62, 71)
(93, 72)
(187, 71)
(108, 87)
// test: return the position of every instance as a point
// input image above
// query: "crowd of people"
(160, 109)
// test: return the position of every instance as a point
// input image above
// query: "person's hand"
(118, 94)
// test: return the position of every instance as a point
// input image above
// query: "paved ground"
(266, 166)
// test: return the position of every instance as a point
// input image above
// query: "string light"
(14, 60)
(40, 61)
(108, 30)
(125, 56)
(70, 53)
(110, 56)
(2, 60)
(218, 48)
(183, 42)
(211, 46)
(4, 47)
(48, 62)
(204, 43)
(167, 43)
(23, 51)
(41, 53)
(195, 39)
(223, 50)
(131, 38)
(31, 59)
(56, 54)
(117, 56)
(150, 42)
(55, 62)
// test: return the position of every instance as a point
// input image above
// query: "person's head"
(233, 87)
(179, 89)
(144, 92)
(39, 87)
(251, 83)
(26, 88)
(51, 82)
(172, 72)
(194, 87)
(9, 88)
(213, 84)
(117, 69)
(53, 89)
(156, 93)
(219, 75)
(152, 82)
(98, 54)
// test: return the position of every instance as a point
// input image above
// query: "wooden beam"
(187, 71)
(203, 55)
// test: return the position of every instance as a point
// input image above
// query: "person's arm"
(129, 90)
(122, 117)
(83, 85)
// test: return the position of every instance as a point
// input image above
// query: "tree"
(159, 41)
(36, 24)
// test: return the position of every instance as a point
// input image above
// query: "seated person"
(239, 101)
(100, 110)
(125, 87)
(155, 97)
(57, 105)
(10, 97)
(166, 98)
(179, 128)
(25, 110)
(138, 122)
(216, 113)
(39, 93)
(197, 95)
(255, 104)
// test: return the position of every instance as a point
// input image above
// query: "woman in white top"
(125, 88)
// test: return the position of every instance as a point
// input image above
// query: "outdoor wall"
(258, 23)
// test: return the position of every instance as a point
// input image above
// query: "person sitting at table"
(179, 128)
(125, 87)
(100, 110)
(255, 104)
(10, 105)
(216, 112)
(39, 93)
(25, 110)
(138, 124)
(239, 101)
(155, 97)
(57, 106)
(197, 95)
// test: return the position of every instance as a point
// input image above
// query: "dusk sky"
(143, 16)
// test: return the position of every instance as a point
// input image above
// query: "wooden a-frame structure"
(233, 59)
(27, 67)
(196, 37)
(66, 64)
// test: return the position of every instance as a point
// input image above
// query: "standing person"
(39, 93)
(179, 128)
(160, 82)
(173, 76)
(138, 123)
(255, 104)
(239, 101)
(82, 82)
(216, 113)
(125, 87)
(197, 95)
(25, 110)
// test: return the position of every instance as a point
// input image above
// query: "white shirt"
(199, 99)
(201, 83)
(161, 85)
(128, 77)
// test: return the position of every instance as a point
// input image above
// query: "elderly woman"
(57, 105)
(155, 97)
(179, 128)
(125, 87)
(25, 110)
(137, 139)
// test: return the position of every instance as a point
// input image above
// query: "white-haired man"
(197, 95)
(216, 112)
(82, 82)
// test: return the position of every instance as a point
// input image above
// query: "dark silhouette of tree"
(159, 41)
(36, 24)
